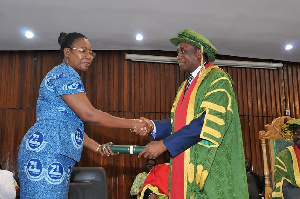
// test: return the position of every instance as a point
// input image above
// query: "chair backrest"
(273, 139)
(88, 182)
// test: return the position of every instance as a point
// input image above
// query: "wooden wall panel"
(291, 75)
(260, 98)
(133, 89)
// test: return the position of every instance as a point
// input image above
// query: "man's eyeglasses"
(93, 54)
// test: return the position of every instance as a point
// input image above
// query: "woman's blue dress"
(51, 147)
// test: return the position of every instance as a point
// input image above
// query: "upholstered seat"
(88, 183)
(252, 187)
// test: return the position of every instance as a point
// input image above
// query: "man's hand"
(148, 127)
(149, 122)
(153, 150)
(141, 127)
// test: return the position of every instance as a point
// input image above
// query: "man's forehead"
(184, 45)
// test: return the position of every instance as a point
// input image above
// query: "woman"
(51, 147)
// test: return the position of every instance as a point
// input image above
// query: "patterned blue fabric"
(45, 176)
(58, 131)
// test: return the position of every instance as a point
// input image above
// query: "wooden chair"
(272, 134)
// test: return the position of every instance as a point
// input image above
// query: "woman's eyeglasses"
(93, 54)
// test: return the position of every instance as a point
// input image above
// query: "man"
(140, 178)
(7, 184)
(203, 134)
(287, 164)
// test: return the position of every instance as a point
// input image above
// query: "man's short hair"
(150, 159)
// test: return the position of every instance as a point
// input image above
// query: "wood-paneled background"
(133, 89)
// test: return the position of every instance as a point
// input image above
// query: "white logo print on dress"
(36, 142)
(77, 138)
(34, 169)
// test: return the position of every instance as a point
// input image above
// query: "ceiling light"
(139, 37)
(29, 34)
(288, 47)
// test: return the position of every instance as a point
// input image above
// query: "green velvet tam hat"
(288, 128)
(292, 124)
(191, 37)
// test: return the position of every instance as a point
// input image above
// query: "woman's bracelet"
(97, 150)
(134, 129)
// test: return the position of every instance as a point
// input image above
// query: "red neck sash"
(177, 172)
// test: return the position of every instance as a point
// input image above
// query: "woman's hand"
(105, 150)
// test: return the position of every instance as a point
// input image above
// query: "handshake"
(142, 126)
(152, 150)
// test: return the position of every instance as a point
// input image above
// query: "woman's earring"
(67, 61)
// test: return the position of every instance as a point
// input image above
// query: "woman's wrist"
(98, 148)
(133, 127)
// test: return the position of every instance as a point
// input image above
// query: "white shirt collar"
(195, 72)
